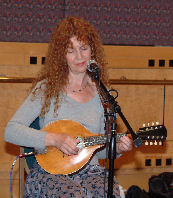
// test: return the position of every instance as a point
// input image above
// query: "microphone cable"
(19, 156)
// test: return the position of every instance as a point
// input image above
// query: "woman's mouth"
(80, 64)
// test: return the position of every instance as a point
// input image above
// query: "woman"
(64, 90)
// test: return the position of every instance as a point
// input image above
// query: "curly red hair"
(54, 74)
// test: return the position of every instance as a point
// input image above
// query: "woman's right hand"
(66, 143)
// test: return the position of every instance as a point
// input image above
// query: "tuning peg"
(148, 124)
(146, 143)
(160, 143)
(155, 142)
(157, 123)
(152, 123)
(151, 143)
(158, 137)
(153, 137)
(143, 125)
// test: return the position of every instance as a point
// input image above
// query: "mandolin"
(55, 161)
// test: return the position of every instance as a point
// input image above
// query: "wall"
(141, 101)
(119, 22)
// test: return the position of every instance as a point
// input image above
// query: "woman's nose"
(79, 54)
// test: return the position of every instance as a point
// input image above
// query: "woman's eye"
(69, 50)
(84, 47)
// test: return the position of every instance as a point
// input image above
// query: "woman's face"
(77, 56)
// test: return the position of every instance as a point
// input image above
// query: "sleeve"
(18, 131)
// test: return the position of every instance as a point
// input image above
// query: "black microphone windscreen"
(92, 66)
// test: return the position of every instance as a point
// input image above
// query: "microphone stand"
(114, 108)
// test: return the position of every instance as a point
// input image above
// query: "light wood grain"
(140, 104)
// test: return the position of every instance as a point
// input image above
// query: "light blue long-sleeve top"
(90, 114)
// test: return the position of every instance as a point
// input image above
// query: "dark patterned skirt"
(88, 183)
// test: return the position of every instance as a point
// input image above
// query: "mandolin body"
(54, 161)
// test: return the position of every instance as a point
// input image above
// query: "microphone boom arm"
(94, 72)
(114, 105)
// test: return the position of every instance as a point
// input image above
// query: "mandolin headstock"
(153, 135)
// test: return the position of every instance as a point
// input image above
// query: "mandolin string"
(100, 139)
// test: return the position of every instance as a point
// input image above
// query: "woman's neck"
(78, 80)
(81, 88)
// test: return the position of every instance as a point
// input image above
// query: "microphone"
(93, 67)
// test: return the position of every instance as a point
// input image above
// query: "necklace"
(79, 90)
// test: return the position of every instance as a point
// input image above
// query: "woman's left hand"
(124, 145)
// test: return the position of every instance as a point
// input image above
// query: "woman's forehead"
(75, 41)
